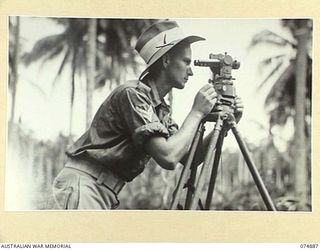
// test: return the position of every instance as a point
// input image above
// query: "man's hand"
(205, 100)
(238, 111)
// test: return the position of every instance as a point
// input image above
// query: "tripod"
(223, 116)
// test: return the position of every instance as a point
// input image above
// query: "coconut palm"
(113, 51)
(290, 94)
(14, 52)
(68, 45)
(91, 66)
(280, 99)
(301, 30)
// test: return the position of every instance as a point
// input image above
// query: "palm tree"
(14, 53)
(116, 39)
(114, 53)
(301, 31)
(68, 45)
(290, 94)
(91, 67)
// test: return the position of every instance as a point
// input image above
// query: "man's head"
(161, 42)
(176, 65)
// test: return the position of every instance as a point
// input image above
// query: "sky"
(44, 110)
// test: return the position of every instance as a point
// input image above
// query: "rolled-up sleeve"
(140, 118)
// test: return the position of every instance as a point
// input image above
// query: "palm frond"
(35, 86)
(61, 21)
(115, 53)
(271, 73)
(62, 66)
(43, 47)
(122, 35)
(73, 76)
(269, 60)
(54, 53)
(284, 84)
(270, 38)
(281, 96)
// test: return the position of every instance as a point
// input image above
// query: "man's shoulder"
(128, 84)
(132, 87)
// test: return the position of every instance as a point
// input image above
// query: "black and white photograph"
(159, 114)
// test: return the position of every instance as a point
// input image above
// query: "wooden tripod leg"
(253, 170)
(214, 170)
(187, 166)
(191, 181)
(207, 162)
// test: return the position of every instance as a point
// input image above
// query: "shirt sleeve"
(139, 117)
(170, 124)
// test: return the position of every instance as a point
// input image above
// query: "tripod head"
(221, 66)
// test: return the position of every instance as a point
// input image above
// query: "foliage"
(151, 190)
(40, 162)
(291, 203)
(290, 95)
(11, 51)
(280, 99)
(114, 55)
(36, 163)
(115, 41)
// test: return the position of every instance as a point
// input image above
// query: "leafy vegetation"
(289, 97)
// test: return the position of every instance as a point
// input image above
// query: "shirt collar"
(154, 94)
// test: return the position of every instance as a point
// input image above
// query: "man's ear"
(165, 60)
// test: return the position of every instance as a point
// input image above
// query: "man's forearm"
(201, 151)
(168, 152)
(180, 142)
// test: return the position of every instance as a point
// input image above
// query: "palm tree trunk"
(170, 99)
(301, 171)
(15, 67)
(91, 68)
(73, 76)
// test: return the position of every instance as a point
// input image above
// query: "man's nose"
(190, 73)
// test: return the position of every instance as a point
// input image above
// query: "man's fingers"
(207, 86)
(238, 103)
(239, 110)
(212, 95)
(208, 90)
(211, 91)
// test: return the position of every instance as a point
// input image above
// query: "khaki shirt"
(132, 113)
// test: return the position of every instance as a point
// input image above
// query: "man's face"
(179, 67)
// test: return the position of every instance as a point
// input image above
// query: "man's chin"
(179, 85)
(182, 85)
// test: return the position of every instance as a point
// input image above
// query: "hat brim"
(164, 50)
